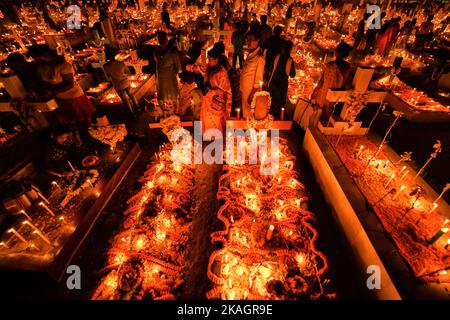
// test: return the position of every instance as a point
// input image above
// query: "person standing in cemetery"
(238, 41)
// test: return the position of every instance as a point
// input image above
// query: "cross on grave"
(216, 32)
(340, 124)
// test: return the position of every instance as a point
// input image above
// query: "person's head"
(220, 47)
(162, 38)
(61, 134)
(253, 38)
(263, 19)
(214, 57)
(342, 51)
(277, 31)
(110, 53)
(41, 52)
(16, 60)
(430, 17)
(238, 26)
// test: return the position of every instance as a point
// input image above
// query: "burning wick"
(435, 205)
(446, 246)
(17, 234)
(399, 191)
(25, 214)
(238, 113)
(90, 183)
(269, 232)
(260, 86)
(56, 184)
(2, 244)
(389, 181)
(282, 114)
(438, 234)
(46, 208)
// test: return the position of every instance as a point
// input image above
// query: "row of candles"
(399, 177)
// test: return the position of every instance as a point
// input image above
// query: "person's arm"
(67, 74)
(292, 71)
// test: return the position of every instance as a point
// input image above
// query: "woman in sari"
(334, 75)
(216, 103)
(73, 105)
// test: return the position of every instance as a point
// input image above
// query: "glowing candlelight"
(403, 169)
(389, 181)
(238, 113)
(56, 185)
(25, 214)
(71, 166)
(18, 235)
(260, 86)
(386, 164)
(46, 208)
(399, 191)
(404, 175)
(269, 232)
(435, 205)
(361, 148)
(282, 114)
(42, 197)
(2, 244)
(438, 234)
(37, 231)
(448, 244)
(90, 183)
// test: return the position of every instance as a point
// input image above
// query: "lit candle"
(435, 205)
(71, 166)
(404, 175)
(403, 169)
(438, 234)
(361, 148)
(46, 208)
(282, 114)
(17, 234)
(25, 214)
(448, 244)
(269, 232)
(90, 183)
(2, 244)
(399, 191)
(37, 231)
(56, 185)
(389, 181)
(386, 164)
(260, 86)
(238, 113)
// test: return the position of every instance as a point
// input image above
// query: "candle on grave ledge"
(238, 113)
(18, 235)
(403, 187)
(404, 175)
(435, 205)
(386, 164)
(438, 234)
(282, 114)
(71, 166)
(260, 86)
(389, 181)
(361, 148)
(269, 232)
(403, 169)
(46, 208)
(2, 244)
(37, 231)
(54, 183)
(448, 244)
(90, 183)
